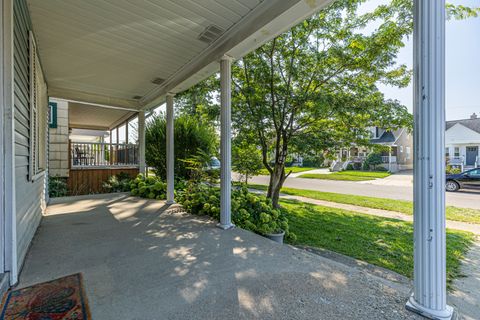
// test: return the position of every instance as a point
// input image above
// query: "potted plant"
(276, 236)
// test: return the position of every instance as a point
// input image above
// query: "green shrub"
(191, 137)
(249, 211)
(372, 160)
(57, 187)
(313, 161)
(453, 170)
(350, 167)
(381, 169)
(118, 183)
(150, 187)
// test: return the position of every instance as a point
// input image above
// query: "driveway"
(144, 260)
(401, 188)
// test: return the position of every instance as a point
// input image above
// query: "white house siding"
(461, 137)
(404, 145)
(29, 195)
(58, 145)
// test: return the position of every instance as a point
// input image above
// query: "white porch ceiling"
(94, 117)
(109, 51)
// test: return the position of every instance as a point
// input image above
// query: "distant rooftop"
(473, 123)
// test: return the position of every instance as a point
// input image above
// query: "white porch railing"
(97, 154)
(391, 159)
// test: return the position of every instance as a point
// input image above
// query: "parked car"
(465, 180)
(214, 164)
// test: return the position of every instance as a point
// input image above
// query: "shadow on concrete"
(142, 259)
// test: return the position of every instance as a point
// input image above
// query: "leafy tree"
(315, 86)
(201, 100)
(191, 140)
(247, 160)
(317, 82)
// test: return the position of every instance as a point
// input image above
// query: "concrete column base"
(225, 226)
(448, 314)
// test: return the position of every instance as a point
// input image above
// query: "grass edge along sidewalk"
(401, 206)
(384, 242)
(348, 175)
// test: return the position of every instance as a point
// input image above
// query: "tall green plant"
(191, 138)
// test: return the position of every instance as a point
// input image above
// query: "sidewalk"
(315, 171)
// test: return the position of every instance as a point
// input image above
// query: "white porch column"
(170, 151)
(225, 142)
(141, 142)
(430, 290)
(390, 159)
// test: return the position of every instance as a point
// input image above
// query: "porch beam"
(430, 289)
(170, 151)
(93, 99)
(225, 142)
(141, 142)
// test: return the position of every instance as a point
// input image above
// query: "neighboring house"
(398, 157)
(462, 142)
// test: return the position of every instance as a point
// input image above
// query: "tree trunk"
(277, 178)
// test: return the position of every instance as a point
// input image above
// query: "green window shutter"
(52, 114)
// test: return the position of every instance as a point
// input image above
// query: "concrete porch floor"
(144, 260)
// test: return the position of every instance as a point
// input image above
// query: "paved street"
(400, 187)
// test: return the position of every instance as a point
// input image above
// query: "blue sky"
(462, 66)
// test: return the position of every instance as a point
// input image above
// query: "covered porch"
(153, 261)
(142, 260)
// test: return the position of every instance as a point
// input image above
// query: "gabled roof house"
(462, 142)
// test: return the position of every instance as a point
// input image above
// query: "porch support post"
(430, 290)
(390, 159)
(170, 151)
(225, 143)
(141, 142)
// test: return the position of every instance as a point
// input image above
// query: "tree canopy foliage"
(315, 87)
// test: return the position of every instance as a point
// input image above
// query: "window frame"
(37, 151)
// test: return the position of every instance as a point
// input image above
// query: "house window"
(38, 114)
(407, 149)
(457, 152)
(447, 152)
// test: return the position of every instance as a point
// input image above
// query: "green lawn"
(380, 241)
(348, 175)
(288, 169)
(402, 206)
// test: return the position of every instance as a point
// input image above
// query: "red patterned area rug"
(59, 299)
